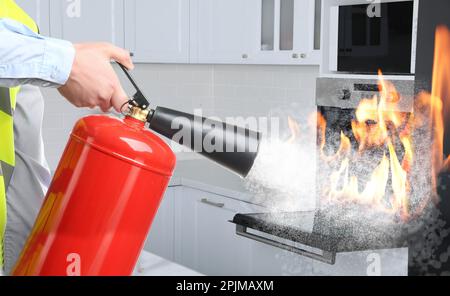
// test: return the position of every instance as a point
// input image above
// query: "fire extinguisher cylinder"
(100, 206)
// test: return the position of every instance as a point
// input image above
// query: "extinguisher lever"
(139, 99)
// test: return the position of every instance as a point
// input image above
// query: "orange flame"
(321, 131)
(432, 105)
(440, 94)
(295, 130)
(376, 125)
(379, 125)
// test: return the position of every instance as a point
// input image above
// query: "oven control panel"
(348, 93)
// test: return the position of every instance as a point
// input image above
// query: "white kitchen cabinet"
(39, 11)
(88, 20)
(256, 31)
(160, 240)
(157, 31)
(205, 240)
(289, 32)
(224, 31)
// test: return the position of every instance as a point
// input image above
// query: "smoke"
(283, 176)
(288, 176)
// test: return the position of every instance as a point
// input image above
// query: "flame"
(433, 106)
(440, 94)
(373, 116)
(321, 131)
(295, 130)
(408, 158)
(376, 188)
(377, 125)
(380, 126)
(399, 185)
(446, 167)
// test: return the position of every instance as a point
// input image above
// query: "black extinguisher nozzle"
(230, 146)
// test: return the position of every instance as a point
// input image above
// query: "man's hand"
(92, 81)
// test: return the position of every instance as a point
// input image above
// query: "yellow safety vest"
(8, 9)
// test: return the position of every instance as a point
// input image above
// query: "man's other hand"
(93, 81)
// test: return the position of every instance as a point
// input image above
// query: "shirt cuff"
(57, 61)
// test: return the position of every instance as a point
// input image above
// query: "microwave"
(365, 36)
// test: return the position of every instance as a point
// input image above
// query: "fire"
(379, 126)
(440, 94)
(295, 130)
(374, 115)
(434, 105)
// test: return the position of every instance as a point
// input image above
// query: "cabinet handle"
(211, 203)
(295, 56)
(303, 55)
(245, 56)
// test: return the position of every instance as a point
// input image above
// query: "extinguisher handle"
(139, 99)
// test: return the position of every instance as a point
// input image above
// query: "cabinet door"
(39, 11)
(157, 31)
(205, 240)
(87, 20)
(225, 31)
(307, 24)
(160, 240)
(303, 29)
(290, 32)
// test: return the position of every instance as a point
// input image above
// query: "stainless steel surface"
(344, 93)
(211, 203)
(326, 257)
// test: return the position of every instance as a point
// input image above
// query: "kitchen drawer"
(160, 239)
(192, 228)
(205, 240)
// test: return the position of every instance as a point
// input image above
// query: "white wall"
(220, 90)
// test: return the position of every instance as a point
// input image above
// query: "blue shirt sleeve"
(27, 57)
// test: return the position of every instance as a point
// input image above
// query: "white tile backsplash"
(221, 90)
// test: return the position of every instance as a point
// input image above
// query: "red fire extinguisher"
(107, 190)
(101, 202)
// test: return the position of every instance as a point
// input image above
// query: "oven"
(322, 234)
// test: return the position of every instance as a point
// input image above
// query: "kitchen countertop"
(152, 265)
